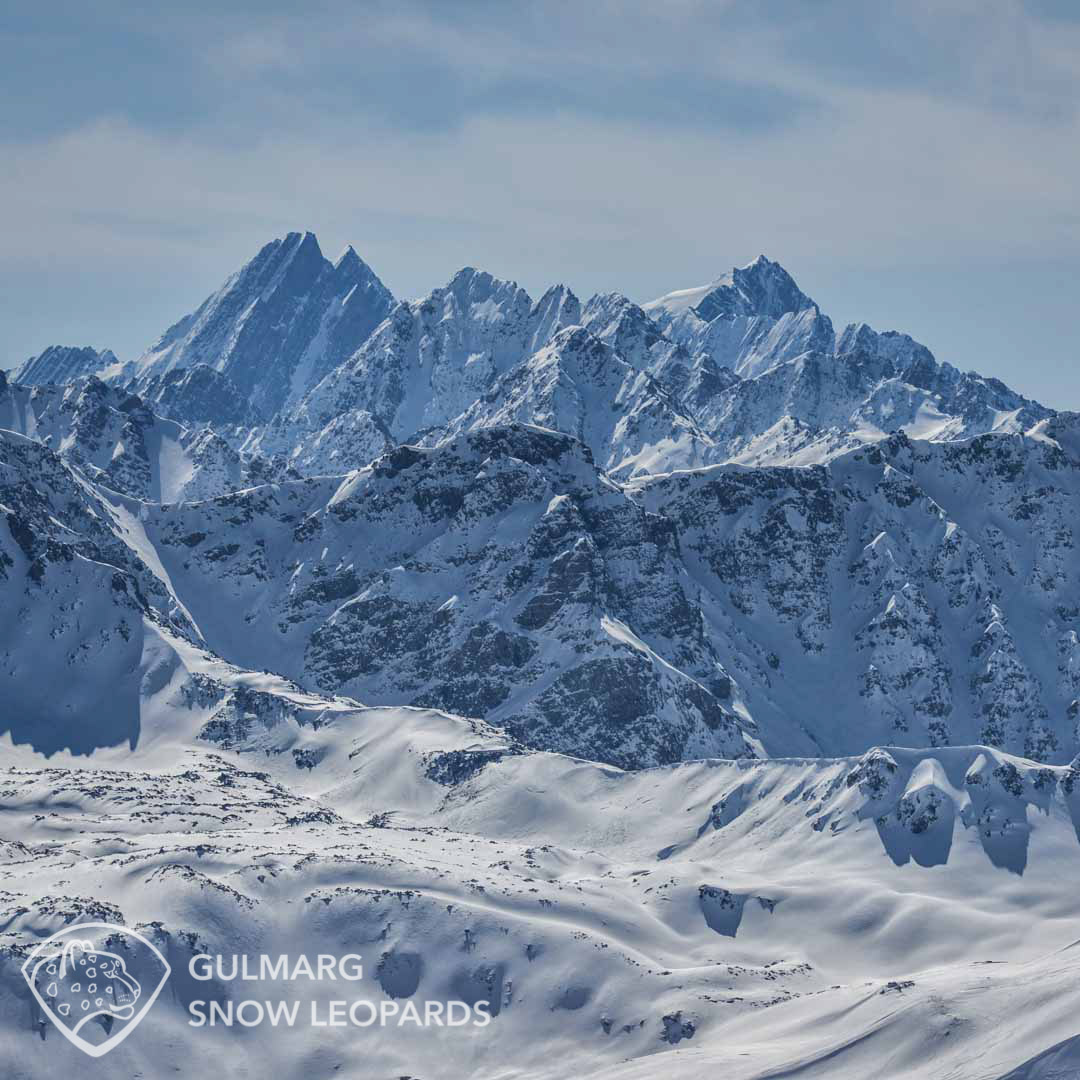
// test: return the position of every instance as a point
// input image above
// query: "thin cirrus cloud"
(890, 157)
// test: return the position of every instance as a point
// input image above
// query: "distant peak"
(467, 274)
(309, 242)
(558, 290)
(62, 363)
(471, 285)
(760, 288)
(557, 296)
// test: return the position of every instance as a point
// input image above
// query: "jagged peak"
(760, 288)
(558, 298)
(348, 257)
(275, 257)
(307, 240)
(470, 286)
(558, 292)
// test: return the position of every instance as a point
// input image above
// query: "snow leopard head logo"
(85, 982)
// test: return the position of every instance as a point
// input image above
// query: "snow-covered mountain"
(922, 587)
(747, 369)
(276, 327)
(115, 439)
(696, 684)
(808, 393)
(311, 363)
(434, 357)
(579, 385)
(62, 363)
(747, 319)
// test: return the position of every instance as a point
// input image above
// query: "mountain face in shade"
(200, 396)
(60, 364)
(276, 327)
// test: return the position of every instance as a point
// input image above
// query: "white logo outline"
(68, 934)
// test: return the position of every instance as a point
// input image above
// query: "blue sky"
(913, 165)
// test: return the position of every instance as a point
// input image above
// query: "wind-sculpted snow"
(753, 916)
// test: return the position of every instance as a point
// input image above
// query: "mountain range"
(661, 672)
(540, 513)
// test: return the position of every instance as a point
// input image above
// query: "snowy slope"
(902, 914)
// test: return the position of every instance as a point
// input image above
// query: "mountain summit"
(275, 327)
(762, 288)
